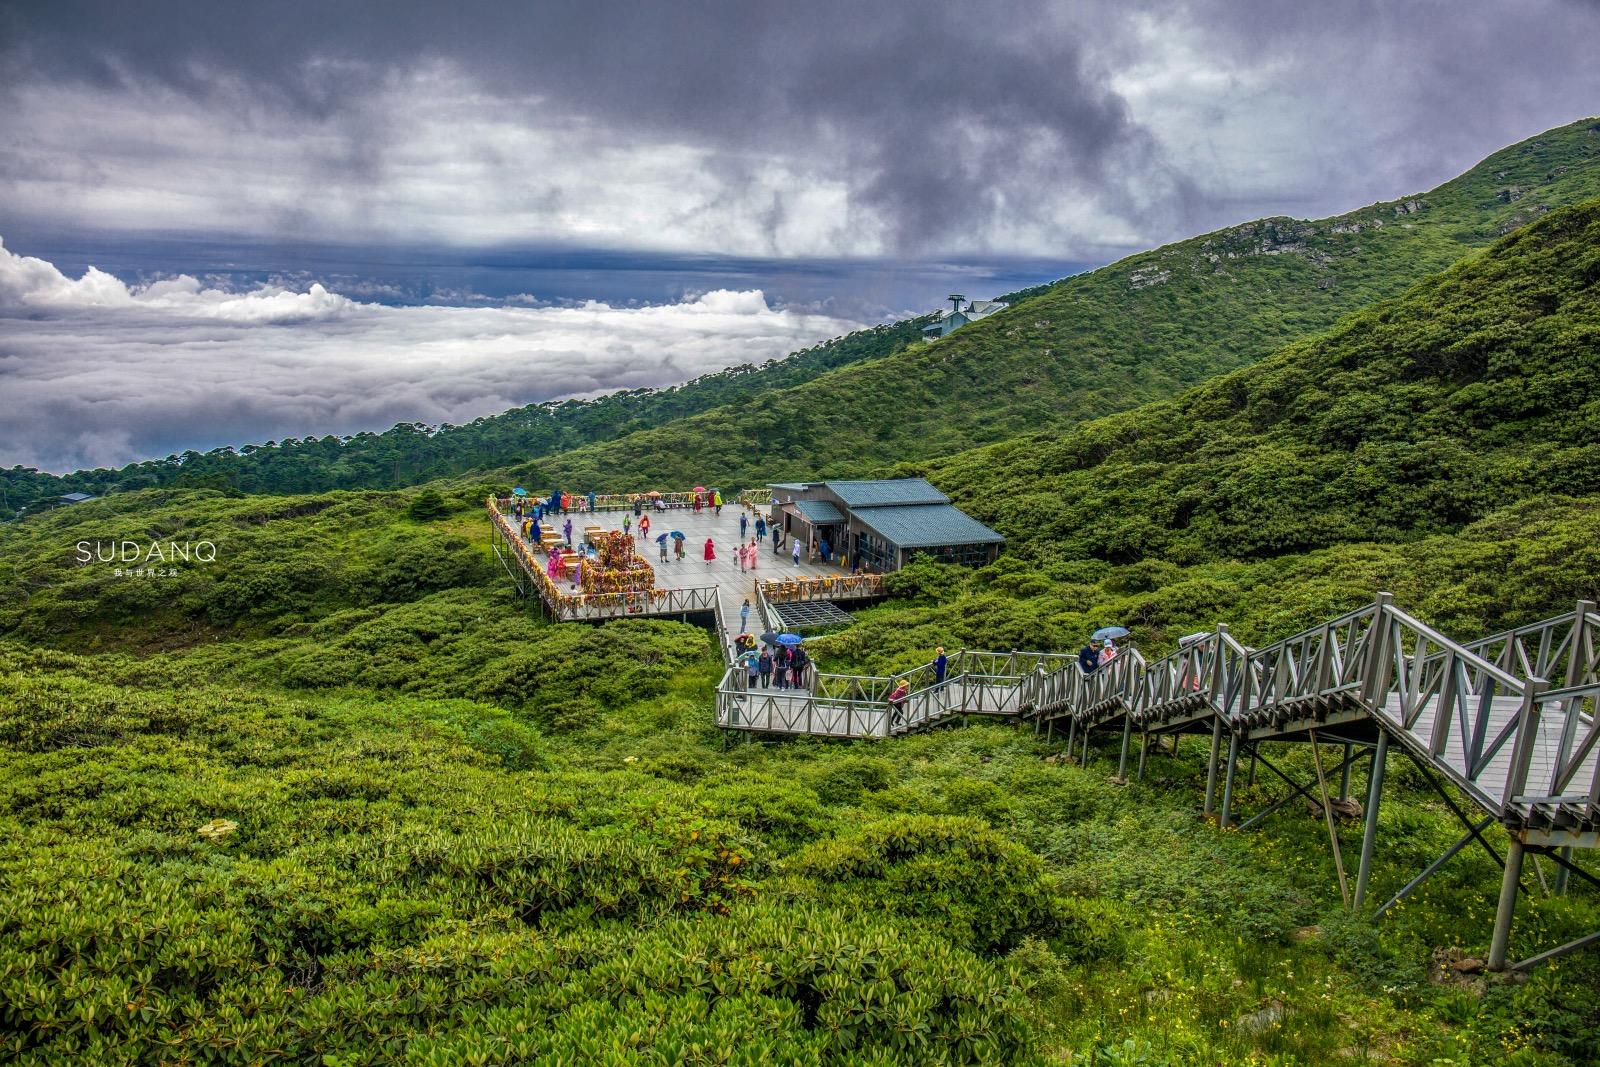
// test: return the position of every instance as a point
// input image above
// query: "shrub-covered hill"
(1141, 329)
(1480, 387)
(1441, 446)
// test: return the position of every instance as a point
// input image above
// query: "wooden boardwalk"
(1509, 720)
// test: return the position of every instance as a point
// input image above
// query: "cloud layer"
(97, 373)
(764, 127)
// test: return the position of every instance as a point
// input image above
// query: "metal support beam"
(1369, 833)
(1563, 864)
(1344, 776)
(1327, 814)
(1211, 765)
(1127, 735)
(1283, 801)
(1227, 780)
(1507, 907)
(1144, 751)
(1427, 873)
(1559, 950)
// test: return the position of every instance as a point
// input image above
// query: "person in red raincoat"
(711, 552)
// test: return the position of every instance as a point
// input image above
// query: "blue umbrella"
(790, 639)
(519, 492)
(678, 534)
(660, 539)
(1110, 633)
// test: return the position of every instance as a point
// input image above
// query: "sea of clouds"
(96, 372)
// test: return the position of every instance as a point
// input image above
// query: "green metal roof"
(818, 512)
(886, 492)
(927, 526)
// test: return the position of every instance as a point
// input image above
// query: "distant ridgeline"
(1142, 329)
(411, 453)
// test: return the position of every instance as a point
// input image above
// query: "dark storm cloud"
(952, 126)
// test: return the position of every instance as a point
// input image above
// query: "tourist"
(764, 666)
(780, 666)
(592, 508)
(535, 533)
(755, 554)
(827, 551)
(941, 663)
(677, 543)
(796, 553)
(627, 525)
(644, 526)
(744, 616)
(897, 702)
(744, 526)
(797, 667)
(716, 501)
(1089, 656)
(664, 541)
(752, 663)
(711, 552)
(638, 507)
(761, 528)
(566, 529)
(1108, 653)
(577, 572)
(516, 508)
(777, 538)
(697, 503)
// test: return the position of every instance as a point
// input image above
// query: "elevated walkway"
(1508, 720)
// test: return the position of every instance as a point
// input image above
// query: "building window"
(874, 552)
(966, 555)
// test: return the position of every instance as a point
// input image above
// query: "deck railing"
(822, 587)
(564, 606)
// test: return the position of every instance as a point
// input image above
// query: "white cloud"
(95, 372)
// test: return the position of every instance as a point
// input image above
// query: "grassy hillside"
(411, 453)
(454, 834)
(1441, 445)
(439, 831)
(1140, 329)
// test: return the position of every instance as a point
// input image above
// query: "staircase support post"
(1086, 729)
(1344, 775)
(1561, 871)
(1211, 766)
(1144, 751)
(1369, 833)
(1508, 905)
(1072, 733)
(1227, 781)
(1127, 735)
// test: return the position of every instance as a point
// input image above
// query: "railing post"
(1369, 834)
(1375, 669)
(1522, 746)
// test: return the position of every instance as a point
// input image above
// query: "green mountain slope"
(410, 453)
(1140, 329)
(337, 798)
(1444, 445)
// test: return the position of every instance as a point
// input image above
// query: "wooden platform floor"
(734, 585)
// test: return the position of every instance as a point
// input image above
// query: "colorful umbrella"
(1110, 633)
(678, 535)
(790, 639)
(660, 539)
(519, 492)
(653, 492)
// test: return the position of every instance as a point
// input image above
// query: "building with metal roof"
(880, 522)
(949, 321)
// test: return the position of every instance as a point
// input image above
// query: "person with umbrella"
(1089, 656)
(1108, 636)
(677, 544)
(780, 665)
(797, 663)
(662, 541)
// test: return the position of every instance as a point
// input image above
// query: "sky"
(311, 217)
